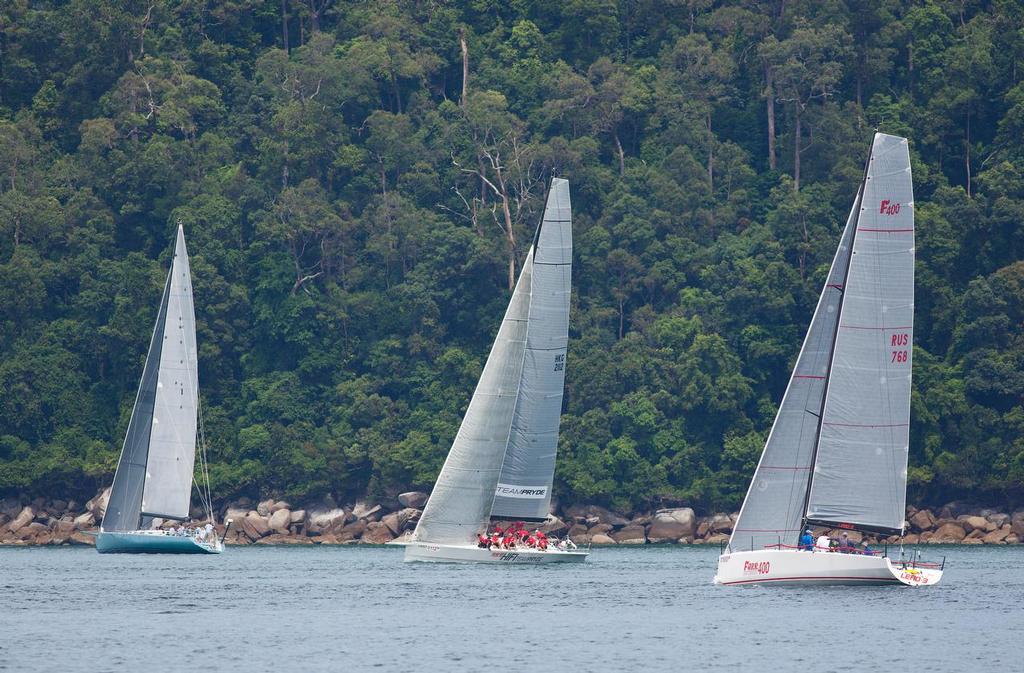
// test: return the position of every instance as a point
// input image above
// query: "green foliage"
(354, 221)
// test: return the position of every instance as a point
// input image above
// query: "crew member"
(807, 541)
(824, 543)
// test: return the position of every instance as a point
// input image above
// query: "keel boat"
(836, 457)
(155, 472)
(502, 462)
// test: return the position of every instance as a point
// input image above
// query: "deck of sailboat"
(439, 553)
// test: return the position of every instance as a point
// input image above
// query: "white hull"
(792, 567)
(438, 553)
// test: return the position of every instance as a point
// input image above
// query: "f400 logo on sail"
(888, 208)
(758, 568)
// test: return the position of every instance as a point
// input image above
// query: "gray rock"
(948, 532)
(408, 518)
(922, 520)
(554, 526)
(972, 523)
(86, 520)
(98, 505)
(255, 526)
(414, 499)
(298, 516)
(322, 521)
(376, 533)
(280, 520)
(11, 507)
(999, 519)
(264, 508)
(668, 525)
(601, 538)
(630, 535)
(603, 515)
(23, 519)
(1017, 523)
(392, 522)
(365, 511)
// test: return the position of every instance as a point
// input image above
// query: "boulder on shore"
(601, 538)
(263, 509)
(414, 499)
(922, 520)
(255, 526)
(376, 533)
(997, 536)
(280, 520)
(603, 515)
(948, 532)
(972, 523)
(24, 518)
(630, 535)
(669, 525)
(325, 520)
(555, 526)
(1017, 523)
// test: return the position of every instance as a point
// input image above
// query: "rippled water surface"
(360, 608)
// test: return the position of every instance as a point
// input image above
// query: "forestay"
(172, 443)
(460, 504)
(774, 506)
(524, 488)
(861, 467)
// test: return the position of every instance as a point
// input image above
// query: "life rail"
(837, 550)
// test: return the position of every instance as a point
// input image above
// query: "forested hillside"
(359, 181)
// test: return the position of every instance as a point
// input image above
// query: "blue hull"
(147, 543)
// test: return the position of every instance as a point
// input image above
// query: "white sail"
(774, 506)
(860, 472)
(460, 503)
(172, 442)
(524, 488)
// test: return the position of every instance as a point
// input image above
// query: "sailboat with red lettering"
(836, 457)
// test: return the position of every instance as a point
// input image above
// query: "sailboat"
(155, 471)
(836, 456)
(502, 462)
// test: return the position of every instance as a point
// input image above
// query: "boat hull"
(792, 567)
(153, 542)
(438, 553)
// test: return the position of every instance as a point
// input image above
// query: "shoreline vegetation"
(43, 522)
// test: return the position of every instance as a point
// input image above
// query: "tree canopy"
(359, 182)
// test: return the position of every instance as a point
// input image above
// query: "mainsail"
(502, 461)
(524, 488)
(837, 453)
(860, 474)
(154, 473)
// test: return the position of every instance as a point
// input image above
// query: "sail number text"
(899, 356)
(560, 362)
(887, 207)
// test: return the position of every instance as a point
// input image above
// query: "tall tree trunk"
(711, 155)
(510, 234)
(465, 68)
(622, 155)
(284, 24)
(967, 152)
(796, 149)
(770, 96)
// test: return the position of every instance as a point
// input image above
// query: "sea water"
(356, 608)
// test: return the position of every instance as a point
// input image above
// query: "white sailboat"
(836, 457)
(502, 462)
(155, 472)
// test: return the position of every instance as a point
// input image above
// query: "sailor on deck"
(807, 541)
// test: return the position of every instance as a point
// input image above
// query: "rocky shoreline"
(62, 522)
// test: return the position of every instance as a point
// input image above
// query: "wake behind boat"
(836, 457)
(154, 475)
(502, 462)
